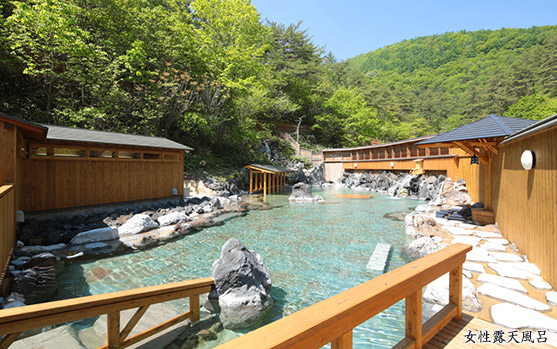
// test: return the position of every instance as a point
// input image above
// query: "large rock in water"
(301, 192)
(137, 224)
(242, 284)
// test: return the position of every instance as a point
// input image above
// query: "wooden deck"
(453, 335)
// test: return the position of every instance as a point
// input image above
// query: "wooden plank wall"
(525, 202)
(7, 153)
(7, 225)
(473, 175)
(60, 183)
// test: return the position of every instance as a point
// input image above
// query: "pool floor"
(313, 250)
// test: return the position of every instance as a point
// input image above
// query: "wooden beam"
(414, 318)
(455, 290)
(470, 150)
(113, 329)
(488, 183)
(251, 180)
(343, 342)
(133, 321)
(264, 183)
(194, 308)
(9, 339)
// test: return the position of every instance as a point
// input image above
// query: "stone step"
(379, 257)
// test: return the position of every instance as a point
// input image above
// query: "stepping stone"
(551, 297)
(480, 255)
(511, 296)
(492, 246)
(507, 270)
(467, 274)
(513, 316)
(498, 241)
(528, 267)
(378, 259)
(468, 240)
(487, 234)
(506, 257)
(512, 284)
(459, 231)
(474, 267)
(540, 285)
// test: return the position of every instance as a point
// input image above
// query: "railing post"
(113, 329)
(194, 308)
(343, 342)
(414, 318)
(455, 290)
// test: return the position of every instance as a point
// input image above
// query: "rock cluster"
(401, 185)
(242, 286)
(302, 192)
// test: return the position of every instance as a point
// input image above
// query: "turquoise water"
(312, 250)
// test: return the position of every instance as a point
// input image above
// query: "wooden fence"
(316, 159)
(16, 320)
(7, 226)
(332, 320)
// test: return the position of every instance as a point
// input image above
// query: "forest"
(213, 75)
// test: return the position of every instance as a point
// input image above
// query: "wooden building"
(267, 178)
(401, 156)
(46, 167)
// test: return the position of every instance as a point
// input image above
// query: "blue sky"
(348, 28)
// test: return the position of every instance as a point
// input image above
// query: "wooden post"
(488, 182)
(113, 329)
(264, 183)
(343, 342)
(251, 181)
(414, 318)
(194, 308)
(455, 290)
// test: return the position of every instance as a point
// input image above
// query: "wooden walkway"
(454, 336)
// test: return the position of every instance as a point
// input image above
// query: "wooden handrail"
(16, 320)
(332, 320)
(5, 189)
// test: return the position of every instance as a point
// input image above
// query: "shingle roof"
(536, 127)
(381, 145)
(60, 133)
(270, 168)
(488, 127)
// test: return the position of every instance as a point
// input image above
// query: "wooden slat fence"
(332, 320)
(16, 320)
(7, 226)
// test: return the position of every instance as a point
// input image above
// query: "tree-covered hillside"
(438, 82)
(212, 75)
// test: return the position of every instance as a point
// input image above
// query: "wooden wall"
(473, 175)
(7, 153)
(525, 202)
(7, 226)
(52, 183)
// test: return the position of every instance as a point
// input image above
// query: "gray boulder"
(458, 198)
(301, 192)
(173, 218)
(101, 234)
(242, 286)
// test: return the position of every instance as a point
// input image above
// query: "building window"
(69, 152)
(40, 151)
(129, 155)
(105, 154)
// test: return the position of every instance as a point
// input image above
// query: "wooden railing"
(332, 320)
(7, 227)
(16, 320)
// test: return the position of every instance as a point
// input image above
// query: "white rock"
(487, 234)
(498, 241)
(551, 297)
(506, 257)
(438, 292)
(474, 267)
(137, 224)
(528, 267)
(513, 316)
(423, 208)
(173, 218)
(467, 274)
(468, 226)
(480, 255)
(540, 284)
(511, 296)
(507, 270)
(101, 234)
(468, 240)
(491, 246)
(459, 231)
(512, 284)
